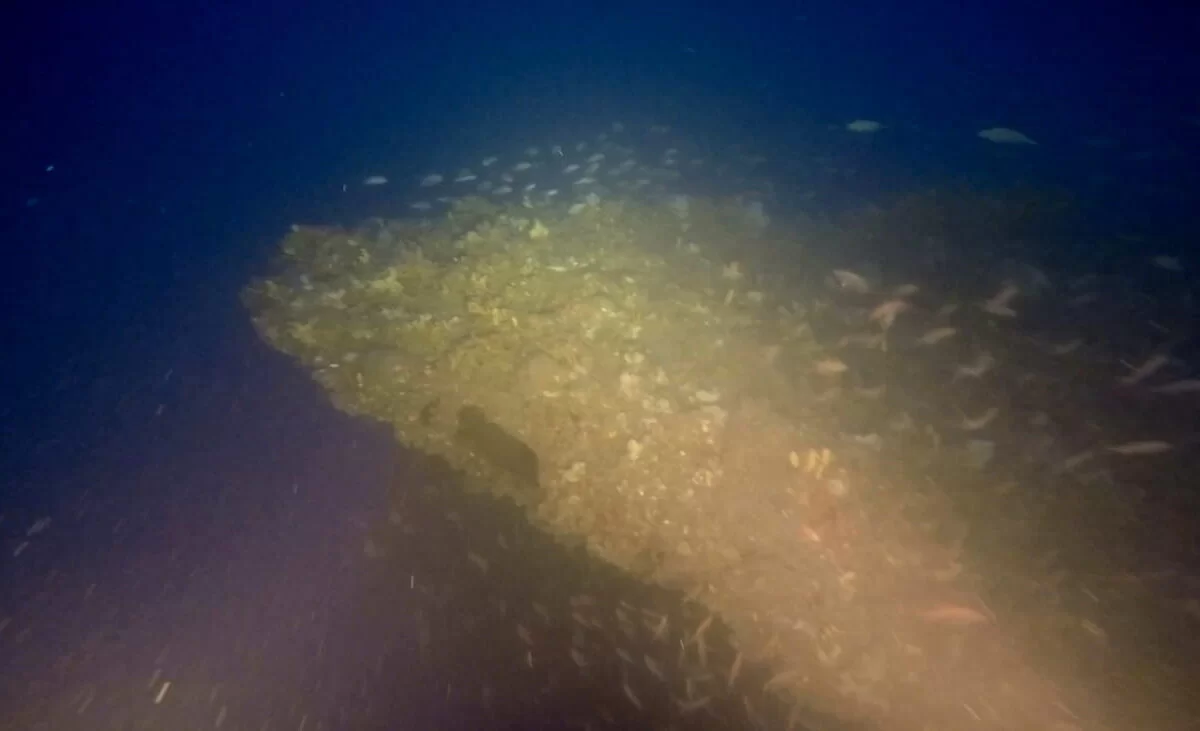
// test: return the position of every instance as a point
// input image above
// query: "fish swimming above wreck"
(622, 341)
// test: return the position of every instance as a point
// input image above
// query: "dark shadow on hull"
(513, 630)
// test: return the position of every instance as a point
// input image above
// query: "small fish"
(981, 366)
(489, 161)
(980, 421)
(954, 614)
(466, 178)
(870, 441)
(864, 126)
(502, 190)
(885, 314)
(699, 633)
(522, 166)
(659, 630)
(630, 694)
(480, 562)
(654, 668)
(937, 335)
(1146, 369)
(906, 290)
(1141, 448)
(570, 169)
(420, 206)
(431, 180)
(584, 181)
(1190, 385)
(871, 393)
(375, 180)
(830, 367)
(780, 679)
(1070, 463)
(1083, 300)
(735, 669)
(850, 281)
(1005, 136)
(1067, 348)
(1168, 263)
(999, 304)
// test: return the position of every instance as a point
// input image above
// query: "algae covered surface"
(700, 404)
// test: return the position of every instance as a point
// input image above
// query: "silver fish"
(850, 281)
(630, 694)
(1067, 348)
(999, 304)
(1169, 263)
(1151, 366)
(1070, 463)
(980, 421)
(1141, 448)
(982, 365)
(885, 314)
(937, 335)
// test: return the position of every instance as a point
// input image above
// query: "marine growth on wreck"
(658, 382)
